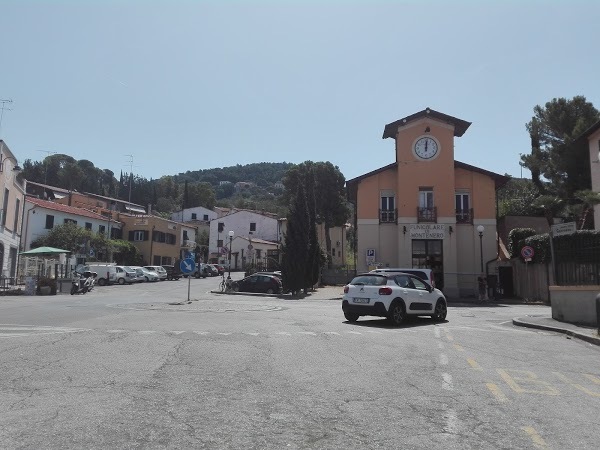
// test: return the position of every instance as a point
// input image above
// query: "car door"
(422, 298)
(403, 281)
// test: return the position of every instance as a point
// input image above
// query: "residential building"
(41, 216)
(247, 251)
(592, 137)
(427, 210)
(13, 191)
(160, 241)
(245, 223)
(196, 214)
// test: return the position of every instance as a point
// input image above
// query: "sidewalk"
(588, 334)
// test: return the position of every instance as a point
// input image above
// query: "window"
(463, 212)
(88, 226)
(252, 226)
(74, 222)
(258, 253)
(156, 260)
(219, 243)
(333, 252)
(49, 222)
(387, 212)
(139, 235)
(221, 227)
(185, 235)
(205, 217)
(101, 229)
(170, 239)
(194, 216)
(5, 206)
(17, 207)
(426, 211)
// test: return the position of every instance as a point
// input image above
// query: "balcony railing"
(464, 216)
(388, 216)
(427, 214)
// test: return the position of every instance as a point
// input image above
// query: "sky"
(165, 87)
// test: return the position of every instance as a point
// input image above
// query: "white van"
(423, 274)
(107, 272)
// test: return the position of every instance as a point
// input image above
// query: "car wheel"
(197, 275)
(270, 291)
(101, 282)
(440, 311)
(396, 314)
(121, 281)
(351, 317)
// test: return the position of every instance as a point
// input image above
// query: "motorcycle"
(83, 283)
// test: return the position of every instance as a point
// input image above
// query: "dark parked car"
(173, 272)
(259, 283)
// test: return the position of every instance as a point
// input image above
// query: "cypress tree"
(295, 250)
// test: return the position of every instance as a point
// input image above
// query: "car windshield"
(369, 280)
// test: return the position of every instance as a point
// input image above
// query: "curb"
(584, 337)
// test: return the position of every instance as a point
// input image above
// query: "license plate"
(361, 300)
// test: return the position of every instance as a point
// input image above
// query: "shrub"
(515, 237)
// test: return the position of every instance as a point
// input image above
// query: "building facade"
(427, 210)
(13, 192)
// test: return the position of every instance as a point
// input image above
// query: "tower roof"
(460, 126)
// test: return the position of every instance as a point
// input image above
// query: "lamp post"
(480, 229)
(230, 241)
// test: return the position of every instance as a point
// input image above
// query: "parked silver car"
(159, 270)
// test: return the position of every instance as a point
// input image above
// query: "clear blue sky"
(190, 85)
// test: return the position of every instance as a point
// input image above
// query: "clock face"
(426, 148)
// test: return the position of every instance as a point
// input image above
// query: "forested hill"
(262, 174)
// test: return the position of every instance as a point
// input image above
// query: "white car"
(394, 296)
(145, 274)
(159, 270)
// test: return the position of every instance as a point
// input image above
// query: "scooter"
(82, 283)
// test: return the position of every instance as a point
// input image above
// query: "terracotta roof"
(460, 126)
(67, 209)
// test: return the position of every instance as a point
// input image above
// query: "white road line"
(436, 332)
(311, 333)
(252, 334)
(443, 359)
(331, 332)
(284, 333)
(177, 332)
(202, 333)
(452, 422)
(146, 332)
(353, 332)
(115, 331)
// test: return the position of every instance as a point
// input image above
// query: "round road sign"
(527, 252)
(187, 265)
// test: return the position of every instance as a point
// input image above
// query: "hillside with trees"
(171, 192)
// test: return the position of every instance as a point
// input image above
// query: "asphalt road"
(129, 367)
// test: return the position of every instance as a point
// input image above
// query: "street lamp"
(231, 233)
(480, 229)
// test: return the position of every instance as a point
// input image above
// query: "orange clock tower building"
(427, 210)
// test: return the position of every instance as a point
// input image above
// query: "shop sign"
(140, 222)
(427, 231)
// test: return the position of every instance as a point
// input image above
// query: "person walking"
(482, 288)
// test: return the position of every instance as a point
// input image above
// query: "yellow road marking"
(496, 392)
(592, 378)
(535, 437)
(474, 364)
(578, 386)
(459, 348)
(529, 378)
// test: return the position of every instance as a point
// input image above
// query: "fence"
(577, 264)
(337, 276)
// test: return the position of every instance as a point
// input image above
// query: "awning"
(135, 209)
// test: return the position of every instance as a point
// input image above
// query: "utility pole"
(130, 175)
(3, 107)
(48, 153)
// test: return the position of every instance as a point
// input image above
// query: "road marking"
(436, 332)
(224, 334)
(332, 332)
(443, 359)
(474, 364)
(592, 378)
(496, 392)
(440, 345)
(284, 333)
(447, 382)
(115, 331)
(353, 332)
(177, 332)
(452, 422)
(459, 348)
(529, 378)
(578, 386)
(202, 333)
(310, 333)
(252, 334)
(535, 437)
(12, 331)
(146, 332)
(372, 331)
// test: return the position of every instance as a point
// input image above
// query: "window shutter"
(146, 234)
(131, 235)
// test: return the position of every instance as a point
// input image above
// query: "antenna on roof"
(3, 107)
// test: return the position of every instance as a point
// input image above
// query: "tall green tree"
(516, 197)
(295, 258)
(558, 163)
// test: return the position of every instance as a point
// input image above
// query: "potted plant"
(46, 286)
